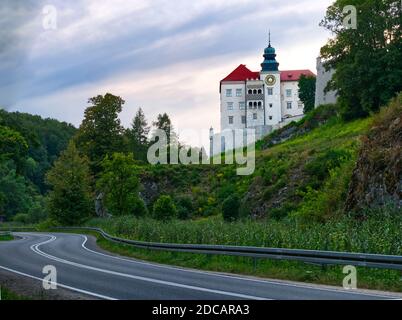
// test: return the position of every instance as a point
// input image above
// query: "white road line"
(59, 284)
(35, 248)
(234, 276)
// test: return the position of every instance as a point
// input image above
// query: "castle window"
(230, 105)
(239, 92)
(259, 103)
(255, 116)
(255, 104)
(243, 119)
(271, 105)
(254, 91)
(250, 91)
(259, 91)
(270, 91)
(289, 93)
(300, 105)
(228, 92)
(242, 105)
(289, 105)
(270, 118)
(231, 120)
(250, 104)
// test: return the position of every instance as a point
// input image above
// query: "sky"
(161, 55)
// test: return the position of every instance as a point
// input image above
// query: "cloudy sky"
(165, 56)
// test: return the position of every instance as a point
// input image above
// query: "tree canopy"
(367, 60)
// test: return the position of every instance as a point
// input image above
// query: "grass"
(380, 233)
(6, 294)
(6, 237)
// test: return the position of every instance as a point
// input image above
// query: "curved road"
(83, 268)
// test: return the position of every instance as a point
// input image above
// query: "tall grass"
(380, 233)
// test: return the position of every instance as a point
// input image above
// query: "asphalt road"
(83, 268)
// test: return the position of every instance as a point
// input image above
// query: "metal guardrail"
(306, 256)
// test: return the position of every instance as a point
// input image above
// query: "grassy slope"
(306, 177)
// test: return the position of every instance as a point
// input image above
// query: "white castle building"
(264, 100)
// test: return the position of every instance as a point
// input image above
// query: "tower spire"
(269, 38)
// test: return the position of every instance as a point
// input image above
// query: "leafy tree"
(16, 193)
(101, 133)
(367, 60)
(13, 147)
(70, 200)
(230, 208)
(120, 184)
(138, 136)
(307, 86)
(164, 208)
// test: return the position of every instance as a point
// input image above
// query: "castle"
(264, 100)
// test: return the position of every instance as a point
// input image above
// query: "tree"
(101, 133)
(13, 147)
(367, 60)
(138, 136)
(165, 124)
(70, 200)
(164, 208)
(120, 184)
(307, 86)
(230, 208)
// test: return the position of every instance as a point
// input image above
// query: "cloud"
(161, 55)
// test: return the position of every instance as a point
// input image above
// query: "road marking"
(35, 248)
(59, 284)
(234, 276)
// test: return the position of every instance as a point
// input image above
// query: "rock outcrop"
(377, 178)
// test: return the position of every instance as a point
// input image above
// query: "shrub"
(164, 208)
(230, 208)
(21, 218)
(139, 207)
(184, 207)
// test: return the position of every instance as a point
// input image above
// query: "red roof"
(294, 75)
(242, 73)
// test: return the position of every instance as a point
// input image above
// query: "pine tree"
(70, 200)
(138, 136)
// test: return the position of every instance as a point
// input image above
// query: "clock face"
(270, 80)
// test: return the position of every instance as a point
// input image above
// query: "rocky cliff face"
(377, 179)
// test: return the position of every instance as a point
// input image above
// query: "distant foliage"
(70, 199)
(164, 208)
(44, 140)
(230, 208)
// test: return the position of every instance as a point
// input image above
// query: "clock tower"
(271, 77)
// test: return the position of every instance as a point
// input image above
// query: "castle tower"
(271, 76)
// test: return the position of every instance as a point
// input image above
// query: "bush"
(184, 207)
(139, 207)
(21, 218)
(164, 208)
(230, 208)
